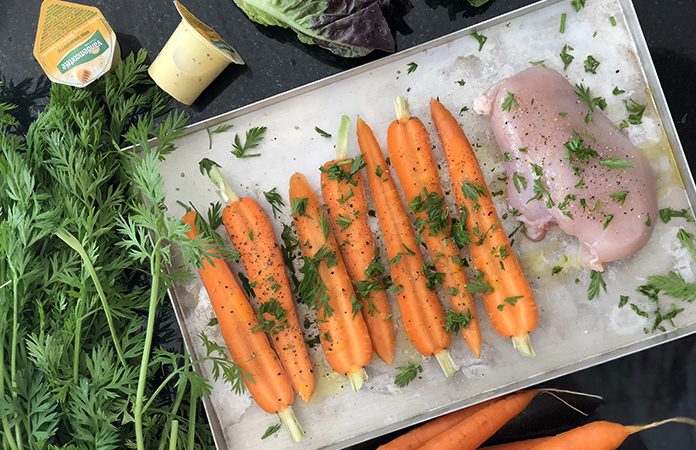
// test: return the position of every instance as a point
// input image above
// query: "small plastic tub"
(191, 59)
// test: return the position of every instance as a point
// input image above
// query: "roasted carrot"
(418, 437)
(470, 433)
(414, 163)
(343, 191)
(508, 298)
(270, 386)
(327, 287)
(519, 445)
(599, 435)
(421, 311)
(252, 235)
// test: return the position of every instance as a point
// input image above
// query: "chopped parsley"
(509, 102)
(480, 38)
(411, 68)
(596, 283)
(591, 64)
(566, 57)
(407, 374)
(456, 322)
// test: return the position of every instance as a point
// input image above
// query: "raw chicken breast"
(610, 209)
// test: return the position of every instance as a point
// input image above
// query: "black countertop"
(640, 388)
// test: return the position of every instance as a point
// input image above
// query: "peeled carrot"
(470, 433)
(519, 445)
(346, 204)
(252, 235)
(270, 386)
(510, 302)
(414, 163)
(344, 335)
(418, 437)
(421, 311)
(599, 435)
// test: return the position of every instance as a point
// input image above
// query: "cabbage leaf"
(348, 28)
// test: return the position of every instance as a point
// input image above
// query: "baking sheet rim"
(657, 94)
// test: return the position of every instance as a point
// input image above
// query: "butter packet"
(74, 43)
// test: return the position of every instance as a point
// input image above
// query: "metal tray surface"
(573, 333)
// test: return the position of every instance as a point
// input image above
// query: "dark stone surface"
(651, 385)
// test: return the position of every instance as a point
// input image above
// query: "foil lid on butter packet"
(74, 43)
(209, 34)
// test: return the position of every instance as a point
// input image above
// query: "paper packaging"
(74, 43)
(191, 59)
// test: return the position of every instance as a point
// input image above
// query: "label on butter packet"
(74, 43)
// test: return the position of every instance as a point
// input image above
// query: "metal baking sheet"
(573, 333)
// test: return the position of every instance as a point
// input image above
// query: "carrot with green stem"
(600, 435)
(251, 351)
(418, 437)
(343, 191)
(507, 295)
(327, 288)
(252, 235)
(414, 163)
(421, 311)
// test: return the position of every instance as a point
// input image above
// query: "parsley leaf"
(616, 163)
(254, 136)
(509, 102)
(270, 431)
(566, 57)
(667, 214)
(411, 67)
(220, 129)
(322, 133)
(596, 283)
(480, 38)
(275, 200)
(456, 322)
(407, 374)
(591, 64)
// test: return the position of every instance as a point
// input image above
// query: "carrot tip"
(446, 363)
(292, 426)
(357, 379)
(523, 344)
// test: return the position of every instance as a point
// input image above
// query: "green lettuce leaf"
(348, 28)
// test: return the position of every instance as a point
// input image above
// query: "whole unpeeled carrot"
(418, 437)
(343, 191)
(344, 335)
(269, 385)
(519, 445)
(252, 235)
(421, 311)
(414, 163)
(507, 295)
(470, 433)
(599, 435)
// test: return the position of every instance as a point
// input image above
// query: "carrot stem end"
(342, 138)
(524, 345)
(357, 379)
(224, 191)
(402, 110)
(446, 363)
(291, 425)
